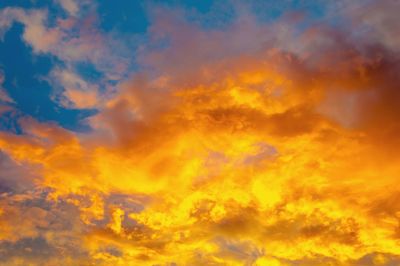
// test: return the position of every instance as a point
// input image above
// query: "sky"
(177, 132)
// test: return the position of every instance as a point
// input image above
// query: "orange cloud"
(255, 152)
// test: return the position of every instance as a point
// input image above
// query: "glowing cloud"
(255, 143)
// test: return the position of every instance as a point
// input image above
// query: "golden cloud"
(231, 153)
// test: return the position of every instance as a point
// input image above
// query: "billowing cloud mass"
(250, 142)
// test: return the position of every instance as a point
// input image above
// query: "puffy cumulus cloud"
(254, 144)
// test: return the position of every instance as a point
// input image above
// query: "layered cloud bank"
(247, 143)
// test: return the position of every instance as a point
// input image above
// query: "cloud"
(377, 19)
(4, 97)
(73, 40)
(35, 33)
(264, 144)
(70, 6)
(75, 91)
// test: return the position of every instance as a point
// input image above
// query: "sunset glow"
(261, 133)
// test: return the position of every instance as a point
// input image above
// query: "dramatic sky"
(172, 133)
